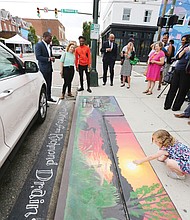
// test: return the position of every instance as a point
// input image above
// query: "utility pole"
(93, 72)
(163, 13)
(171, 11)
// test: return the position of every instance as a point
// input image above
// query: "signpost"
(94, 31)
(69, 11)
(95, 34)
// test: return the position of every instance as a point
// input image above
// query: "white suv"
(22, 99)
(57, 51)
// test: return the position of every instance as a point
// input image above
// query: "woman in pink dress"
(155, 62)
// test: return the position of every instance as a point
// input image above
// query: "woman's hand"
(61, 73)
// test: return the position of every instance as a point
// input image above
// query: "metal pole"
(171, 11)
(163, 13)
(93, 72)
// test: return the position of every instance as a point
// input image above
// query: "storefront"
(143, 36)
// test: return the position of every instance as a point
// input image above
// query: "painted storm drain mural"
(103, 183)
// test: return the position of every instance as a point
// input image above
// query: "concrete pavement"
(145, 114)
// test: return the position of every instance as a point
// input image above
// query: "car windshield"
(8, 64)
(57, 48)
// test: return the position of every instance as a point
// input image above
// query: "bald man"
(109, 51)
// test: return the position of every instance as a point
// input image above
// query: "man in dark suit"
(109, 50)
(44, 56)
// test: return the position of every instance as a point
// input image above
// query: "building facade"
(10, 26)
(138, 18)
(53, 26)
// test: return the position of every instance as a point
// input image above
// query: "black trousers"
(179, 87)
(83, 69)
(48, 79)
(68, 74)
(105, 70)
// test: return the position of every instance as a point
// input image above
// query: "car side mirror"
(30, 67)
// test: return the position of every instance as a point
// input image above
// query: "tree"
(32, 37)
(55, 41)
(86, 32)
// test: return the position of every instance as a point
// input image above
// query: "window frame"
(147, 17)
(126, 16)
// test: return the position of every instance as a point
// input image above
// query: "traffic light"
(161, 21)
(172, 20)
(56, 13)
(38, 12)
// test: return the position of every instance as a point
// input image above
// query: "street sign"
(69, 11)
(94, 31)
(45, 9)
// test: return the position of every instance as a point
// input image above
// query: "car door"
(4, 150)
(17, 97)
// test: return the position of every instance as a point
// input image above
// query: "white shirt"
(48, 48)
(111, 44)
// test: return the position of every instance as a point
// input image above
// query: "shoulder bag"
(134, 61)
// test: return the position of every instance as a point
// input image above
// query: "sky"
(72, 22)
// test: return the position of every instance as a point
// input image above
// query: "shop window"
(147, 15)
(126, 14)
(181, 19)
(5, 27)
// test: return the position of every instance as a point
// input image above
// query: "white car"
(57, 51)
(23, 99)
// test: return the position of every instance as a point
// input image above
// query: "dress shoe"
(89, 90)
(175, 109)
(81, 89)
(104, 84)
(182, 115)
(111, 84)
(166, 108)
(51, 100)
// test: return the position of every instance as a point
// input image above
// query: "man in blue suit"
(44, 56)
(109, 50)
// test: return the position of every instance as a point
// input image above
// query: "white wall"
(114, 13)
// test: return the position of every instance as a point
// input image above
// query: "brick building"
(52, 25)
(10, 26)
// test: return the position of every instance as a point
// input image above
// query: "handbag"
(169, 75)
(134, 61)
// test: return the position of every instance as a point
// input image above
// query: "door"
(17, 97)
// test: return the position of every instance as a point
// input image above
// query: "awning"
(17, 39)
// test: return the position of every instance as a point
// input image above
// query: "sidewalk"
(145, 114)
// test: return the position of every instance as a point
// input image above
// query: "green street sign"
(69, 11)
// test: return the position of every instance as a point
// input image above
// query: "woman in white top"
(67, 69)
